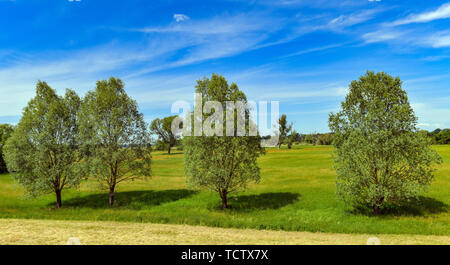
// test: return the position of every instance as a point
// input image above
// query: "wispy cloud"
(353, 19)
(175, 45)
(409, 38)
(436, 57)
(216, 37)
(322, 4)
(441, 13)
(382, 35)
(217, 25)
(428, 118)
(323, 23)
(413, 36)
(439, 40)
(315, 49)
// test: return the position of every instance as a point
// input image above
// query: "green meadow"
(296, 193)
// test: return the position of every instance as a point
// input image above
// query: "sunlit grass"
(296, 193)
(50, 232)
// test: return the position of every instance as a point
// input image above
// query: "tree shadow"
(263, 201)
(415, 207)
(129, 199)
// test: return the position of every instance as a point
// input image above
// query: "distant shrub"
(160, 146)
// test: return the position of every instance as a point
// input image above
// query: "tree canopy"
(224, 164)
(163, 129)
(42, 152)
(284, 130)
(381, 157)
(116, 144)
(6, 131)
(439, 136)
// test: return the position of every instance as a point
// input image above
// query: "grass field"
(13, 231)
(296, 193)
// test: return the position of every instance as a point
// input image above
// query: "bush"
(160, 146)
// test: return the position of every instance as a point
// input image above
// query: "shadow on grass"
(172, 153)
(129, 199)
(261, 201)
(415, 207)
(175, 153)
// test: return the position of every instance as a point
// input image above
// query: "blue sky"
(303, 53)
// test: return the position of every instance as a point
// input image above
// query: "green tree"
(224, 164)
(284, 130)
(42, 152)
(381, 157)
(6, 131)
(324, 138)
(439, 136)
(292, 138)
(116, 144)
(310, 139)
(162, 128)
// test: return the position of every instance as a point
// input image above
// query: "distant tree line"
(5, 132)
(439, 136)
(295, 138)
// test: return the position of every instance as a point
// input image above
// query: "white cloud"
(428, 125)
(409, 38)
(431, 117)
(353, 19)
(79, 70)
(439, 40)
(441, 13)
(381, 35)
(315, 49)
(436, 58)
(180, 17)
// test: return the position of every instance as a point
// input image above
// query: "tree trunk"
(111, 196)
(58, 199)
(376, 209)
(223, 195)
(169, 149)
(376, 206)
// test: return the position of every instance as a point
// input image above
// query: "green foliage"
(221, 163)
(42, 151)
(291, 139)
(163, 129)
(5, 132)
(160, 145)
(381, 158)
(180, 145)
(115, 140)
(310, 139)
(284, 130)
(324, 139)
(439, 136)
